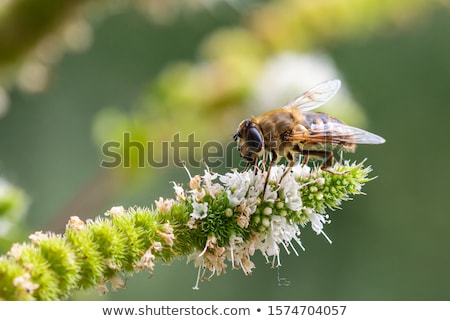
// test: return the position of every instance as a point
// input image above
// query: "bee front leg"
(247, 166)
(273, 161)
(250, 163)
(291, 160)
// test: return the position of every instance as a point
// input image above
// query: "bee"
(295, 130)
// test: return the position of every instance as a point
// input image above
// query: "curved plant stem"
(220, 219)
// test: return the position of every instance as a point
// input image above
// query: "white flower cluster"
(251, 200)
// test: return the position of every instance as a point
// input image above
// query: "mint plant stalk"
(219, 222)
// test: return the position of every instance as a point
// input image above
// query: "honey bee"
(295, 130)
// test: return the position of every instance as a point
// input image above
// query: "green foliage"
(329, 192)
(92, 264)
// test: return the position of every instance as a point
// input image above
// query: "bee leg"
(249, 164)
(328, 157)
(255, 165)
(291, 160)
(298, 151)
(328, 160)
(341, 157)
(271, 163)
(263, 163)
(305, 159)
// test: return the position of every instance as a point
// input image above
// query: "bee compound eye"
(253, 141)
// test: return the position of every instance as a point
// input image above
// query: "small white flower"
(271, 194)
(179, 191)
(16, 251)
(230, 179)
(164, 204)
(194, 182)
(24, 282)
(198, 193)
(116, 210)
(281, 232)
(116, 282)
(276, 172)
(239, 253)
(235, 243)
(146, 261)
(301, 171)
(237, 185)
(76, 223)
(200, 210)
(255, 190)
(320, 181)
(248, 206)
(317, 221)
(212, 188)
(38, 236)
(290, 188)
(167, 235)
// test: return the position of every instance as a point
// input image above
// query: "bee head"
(249, 139)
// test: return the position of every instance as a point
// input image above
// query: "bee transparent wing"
(316, 96)
(361, 136)
(336, 134)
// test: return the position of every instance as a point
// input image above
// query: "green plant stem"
(221, 218)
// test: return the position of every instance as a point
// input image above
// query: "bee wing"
(361, 136)
(337, 133)
(316, 96)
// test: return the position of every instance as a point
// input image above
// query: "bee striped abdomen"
(327, 131)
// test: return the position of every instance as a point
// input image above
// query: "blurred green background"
(391, 244)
